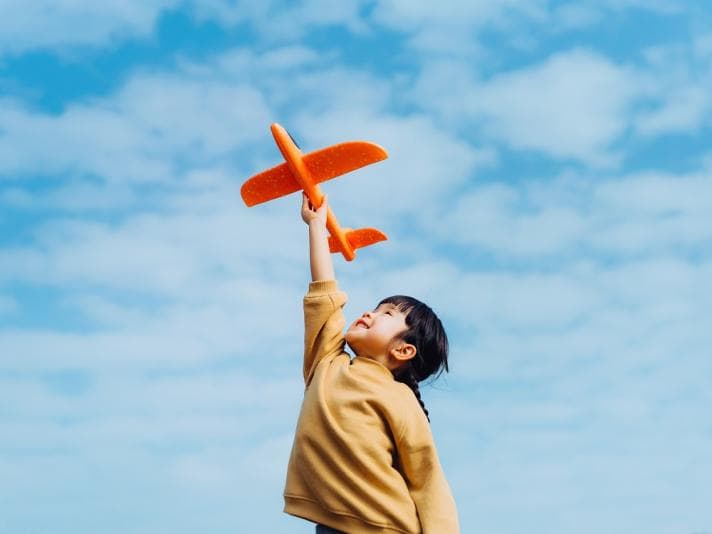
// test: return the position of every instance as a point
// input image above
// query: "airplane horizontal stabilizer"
(360, 238)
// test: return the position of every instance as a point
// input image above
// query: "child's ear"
(404, 351)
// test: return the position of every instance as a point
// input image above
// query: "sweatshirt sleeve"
(323, 324)
(424, 476)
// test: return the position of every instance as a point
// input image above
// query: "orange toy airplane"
(305, 172)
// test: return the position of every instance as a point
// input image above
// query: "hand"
(311, 214)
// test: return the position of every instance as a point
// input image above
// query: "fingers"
(308, 206)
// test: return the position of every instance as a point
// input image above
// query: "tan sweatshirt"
(363, 459)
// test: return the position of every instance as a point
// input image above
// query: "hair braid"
(407, 376)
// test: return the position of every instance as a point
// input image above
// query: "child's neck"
(383, 359)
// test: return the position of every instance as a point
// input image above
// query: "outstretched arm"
(322, 266)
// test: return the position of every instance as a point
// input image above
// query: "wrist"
(316, 225)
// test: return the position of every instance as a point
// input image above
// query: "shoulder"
(401, 405)
(404, 394)
(411, 423)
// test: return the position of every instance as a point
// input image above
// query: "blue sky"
(548, 192)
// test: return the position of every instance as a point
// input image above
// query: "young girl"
(363, 459)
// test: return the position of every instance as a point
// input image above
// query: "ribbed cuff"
(322, 287)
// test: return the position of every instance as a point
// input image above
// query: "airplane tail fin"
(360, 238)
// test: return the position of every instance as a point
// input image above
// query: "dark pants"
(321, 529)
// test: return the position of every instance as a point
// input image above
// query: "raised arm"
(323, 315)
(322, 266)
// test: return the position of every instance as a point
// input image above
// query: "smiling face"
(375, 334)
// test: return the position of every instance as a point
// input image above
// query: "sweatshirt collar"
(378, 366)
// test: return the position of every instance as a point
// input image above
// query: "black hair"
(425, 331)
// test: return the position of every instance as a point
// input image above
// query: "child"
(363, 459)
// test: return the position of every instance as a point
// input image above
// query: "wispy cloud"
(575, 105)
(683, 104)
(52, 24)
(623, 216)
(136, 135)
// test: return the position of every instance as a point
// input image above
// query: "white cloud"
(460, 28)
(337, 90)
(572, 106)
(575, 105)
(684, 111)
(58, 23)
(651, 211)
(450, 28)
(647, 213)
(187, 239)
(499, 217)
(680, 96)
(280, 21)
(151, 488)
(145, 132)
(174, 290)
(60, 26)
(614, 322)
(199, 437)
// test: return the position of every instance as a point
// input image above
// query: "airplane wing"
(323, 165)
(270, 184)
